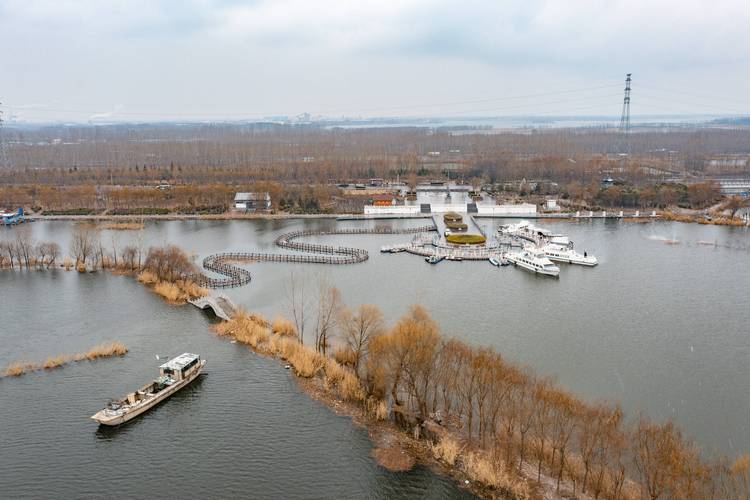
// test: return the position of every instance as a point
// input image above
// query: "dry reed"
(19, 368)
(284, 327)
(53, 362)
(481, 468)
(345, 355)
(447, 450)
(122, 226)
(171, 292)
(147, 277)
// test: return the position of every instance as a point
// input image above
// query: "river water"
(661, 328)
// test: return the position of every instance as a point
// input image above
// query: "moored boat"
(173, 376)
(433, 259)
(560, 249)
(535, 261)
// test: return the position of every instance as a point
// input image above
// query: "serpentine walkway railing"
(233, 276)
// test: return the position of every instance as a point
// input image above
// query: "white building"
(251, 202)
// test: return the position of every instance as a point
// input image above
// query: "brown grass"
(447, 450)
(284, 327)
(192, 289)
(122, 226)
(19, 368)
(56, 362)
(147, 278)
(67, 264)
(350, 389)
(306, 362)
(345, 356)
(176, 293)
(80, 267)
(481, 468)
(53, 362)
(171, 292)
(741, 465)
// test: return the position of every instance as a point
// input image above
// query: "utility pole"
(625, 118)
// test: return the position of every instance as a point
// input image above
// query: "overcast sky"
(133, 60)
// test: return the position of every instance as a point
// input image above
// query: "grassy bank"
(53, 362)
(176, 292)
(496, 427)
(702, 219)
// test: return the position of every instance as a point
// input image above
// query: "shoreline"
(664, 216)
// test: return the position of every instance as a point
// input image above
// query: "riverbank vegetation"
(53, 362)
(483, 418)
(168, 270)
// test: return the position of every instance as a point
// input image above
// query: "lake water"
(662, 328)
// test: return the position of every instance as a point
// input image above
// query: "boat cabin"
(180, 367)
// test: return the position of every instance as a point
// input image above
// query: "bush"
(466, 239)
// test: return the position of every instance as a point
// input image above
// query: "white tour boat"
(535, 261)
(524, 229)
(173, 376)
(560, 249)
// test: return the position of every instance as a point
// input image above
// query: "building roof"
(264, 196)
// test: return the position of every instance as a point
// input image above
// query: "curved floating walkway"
(233, 276)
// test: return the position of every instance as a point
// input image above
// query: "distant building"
(252, 202)
(551, 204)
(383, 200)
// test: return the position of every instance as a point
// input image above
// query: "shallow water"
(659, 327)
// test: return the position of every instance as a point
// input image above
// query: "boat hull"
(103, 419)
(553, 273)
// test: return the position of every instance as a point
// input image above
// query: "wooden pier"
(233, 276)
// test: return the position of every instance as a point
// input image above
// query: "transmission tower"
(3, 152)
(625, 119)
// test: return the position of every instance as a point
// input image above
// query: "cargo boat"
(173, 376)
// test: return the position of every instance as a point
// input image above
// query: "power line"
(48, 110)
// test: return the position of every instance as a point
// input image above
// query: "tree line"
(516, 418)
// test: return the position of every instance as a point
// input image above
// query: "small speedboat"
(433, 259)
(495, 262)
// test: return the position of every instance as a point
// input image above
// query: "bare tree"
(359, 327)
(329, 309)
(83, 244)
(298, 302)
(24, 247)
